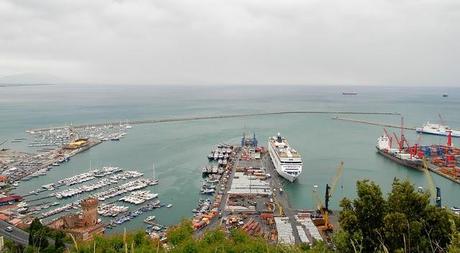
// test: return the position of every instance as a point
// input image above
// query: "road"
(19, 236)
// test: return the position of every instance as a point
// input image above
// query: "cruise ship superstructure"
(438, 129)
(287, 161)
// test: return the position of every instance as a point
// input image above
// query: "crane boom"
(336, 178)
(389, 137)
(398, 141)
(331, 188)
(434, 190)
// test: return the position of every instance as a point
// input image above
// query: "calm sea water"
(179, 149)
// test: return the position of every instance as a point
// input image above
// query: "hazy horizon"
(209, 42)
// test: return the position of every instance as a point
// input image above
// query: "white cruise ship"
(437, 129)
(287, 161)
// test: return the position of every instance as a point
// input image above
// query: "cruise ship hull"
(440, 133)
(410, 164)
(281, 169)
(285, 175)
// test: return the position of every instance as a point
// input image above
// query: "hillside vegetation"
(403, 221)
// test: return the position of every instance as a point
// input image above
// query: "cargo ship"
(400, 156)
(287, 161)
(349, 93)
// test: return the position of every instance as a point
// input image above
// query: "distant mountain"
(29, 79)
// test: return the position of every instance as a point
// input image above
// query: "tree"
(59, 245)
(181, 232)
(363, 217)
(38, 235)
(405, 222)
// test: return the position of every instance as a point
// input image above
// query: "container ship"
(287, 161)
(440, 159)
(397, 155)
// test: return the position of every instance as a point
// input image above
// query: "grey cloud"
(381, 42)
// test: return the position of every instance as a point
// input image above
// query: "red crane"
(398, 141)
(389, 137)
(414, 150)
(402, 138)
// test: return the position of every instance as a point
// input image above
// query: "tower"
(89, 208)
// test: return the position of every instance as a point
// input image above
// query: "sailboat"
(155, 181)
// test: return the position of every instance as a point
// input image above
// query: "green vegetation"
(39, 239)
(181, 240)
(403, 222)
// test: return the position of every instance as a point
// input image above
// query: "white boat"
(437, 129)
(287, 161)
(169, 205)
(150, 218)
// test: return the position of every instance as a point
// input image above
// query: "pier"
(195, 118)
(250, 196)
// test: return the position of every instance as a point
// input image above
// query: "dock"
(250, 196)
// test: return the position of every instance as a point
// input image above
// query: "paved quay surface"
(281, 200)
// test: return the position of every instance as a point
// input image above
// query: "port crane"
(402, 139)
(390, 138)
(434, 190)
(330, 189)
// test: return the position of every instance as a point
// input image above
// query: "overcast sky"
(315, 42)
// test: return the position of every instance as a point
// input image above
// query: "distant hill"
(29, 79)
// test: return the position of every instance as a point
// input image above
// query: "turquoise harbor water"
(179, 149)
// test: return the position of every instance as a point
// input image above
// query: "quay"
(250, 196)
(181, 119)
(435, 169)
